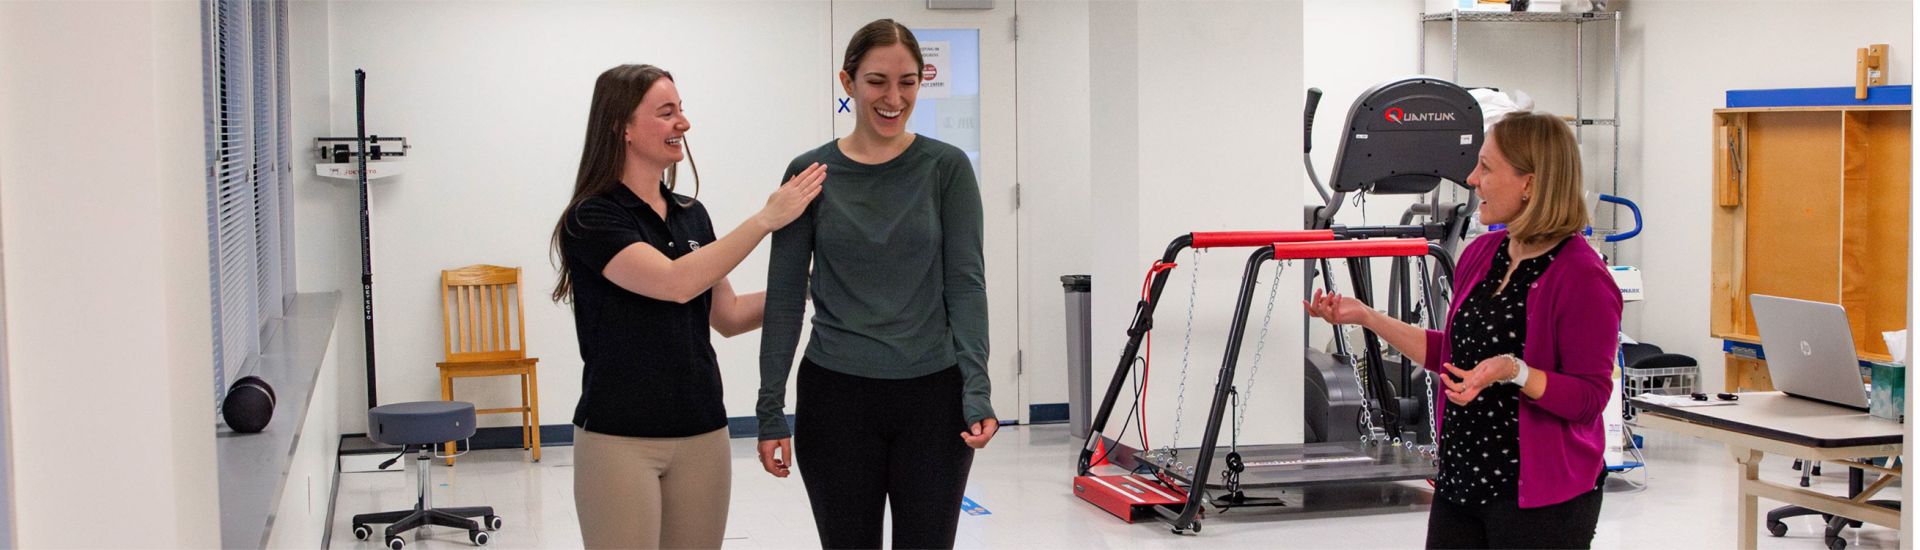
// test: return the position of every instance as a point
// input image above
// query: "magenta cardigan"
(1573, 326)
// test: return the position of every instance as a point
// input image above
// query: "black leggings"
(1568, 524)
(864, 443)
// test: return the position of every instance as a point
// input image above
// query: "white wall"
(1185, 136)
(493, 96)
(1342, 69)
(325, 211)
(104, 208)
(1053, 122)
(1675, 75)
(1113, 102)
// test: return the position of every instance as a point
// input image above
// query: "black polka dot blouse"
(1480, 441)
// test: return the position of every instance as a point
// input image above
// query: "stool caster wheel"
(1778, 529)
(362, 531)
(478, 537)
(1836, 543)
(395, 543)
(493, 523)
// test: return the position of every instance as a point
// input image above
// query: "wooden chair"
(483, 319)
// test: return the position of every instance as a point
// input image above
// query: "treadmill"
(1402, 137)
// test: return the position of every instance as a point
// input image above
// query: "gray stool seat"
(420, 422)
(419, 427)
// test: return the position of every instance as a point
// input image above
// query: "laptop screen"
(1809, 348)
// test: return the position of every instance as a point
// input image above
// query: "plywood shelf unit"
(1810, 203)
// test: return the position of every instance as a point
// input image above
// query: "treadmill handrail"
(1246, 239)
(1369, 248)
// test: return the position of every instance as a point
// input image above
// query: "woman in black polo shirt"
(647, 279)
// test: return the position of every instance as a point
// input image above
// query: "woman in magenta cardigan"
(1526, 355)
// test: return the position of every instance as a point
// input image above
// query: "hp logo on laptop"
(1806, 349)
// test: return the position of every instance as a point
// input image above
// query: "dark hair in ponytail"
(882, 32)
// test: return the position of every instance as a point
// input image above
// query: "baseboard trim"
(561, 435)
(501, 437)
(1047, 413)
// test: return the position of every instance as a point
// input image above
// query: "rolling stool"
(1856, 480)
(420, 426)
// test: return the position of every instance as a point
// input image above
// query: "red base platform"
(1128, 497)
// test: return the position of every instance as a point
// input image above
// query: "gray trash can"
(1079, 352)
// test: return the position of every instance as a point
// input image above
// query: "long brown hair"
(616, 94)
(1540, 143)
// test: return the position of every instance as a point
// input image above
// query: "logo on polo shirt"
(693, 245)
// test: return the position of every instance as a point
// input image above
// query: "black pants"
(863, 444)
(1568, 524)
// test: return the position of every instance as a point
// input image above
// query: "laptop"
(1809, 348)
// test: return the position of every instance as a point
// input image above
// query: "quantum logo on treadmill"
(1398, 116)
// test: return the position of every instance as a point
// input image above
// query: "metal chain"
(1259, 350)
(1359, 378)
(1433, 321)
(1186, 353)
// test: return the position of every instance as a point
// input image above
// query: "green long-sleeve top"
(898, 281)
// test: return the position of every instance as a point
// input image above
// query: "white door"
(973, 110)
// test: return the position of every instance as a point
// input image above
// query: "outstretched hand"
(1336, 309)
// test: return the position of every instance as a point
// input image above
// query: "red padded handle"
(1367, 248)
(1240, 239)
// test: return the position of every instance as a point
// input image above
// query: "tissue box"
(1888, 398)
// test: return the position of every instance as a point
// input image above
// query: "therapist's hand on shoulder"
(980, 433)
(792, 198)
(776, 455)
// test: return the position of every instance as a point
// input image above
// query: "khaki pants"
(652, 492)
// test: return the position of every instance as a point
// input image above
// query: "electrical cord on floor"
(1634, 451)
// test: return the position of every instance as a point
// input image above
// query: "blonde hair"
(1540, 144)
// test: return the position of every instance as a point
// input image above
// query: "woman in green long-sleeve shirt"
(893, 395)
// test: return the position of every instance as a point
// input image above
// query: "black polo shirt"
(649, 369)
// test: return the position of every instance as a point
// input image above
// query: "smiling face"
(1504, 191)
(656, 128)
(883, 88)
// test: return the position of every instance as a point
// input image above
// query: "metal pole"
(366, 227)
(1455, 41)
(1236, 332)
(1616, 121)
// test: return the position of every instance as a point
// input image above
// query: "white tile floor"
(1023, 480)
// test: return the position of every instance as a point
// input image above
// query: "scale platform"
(1311, 464)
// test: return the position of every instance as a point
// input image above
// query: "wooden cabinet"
(1810, 203)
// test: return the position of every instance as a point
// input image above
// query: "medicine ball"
(249, 405)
